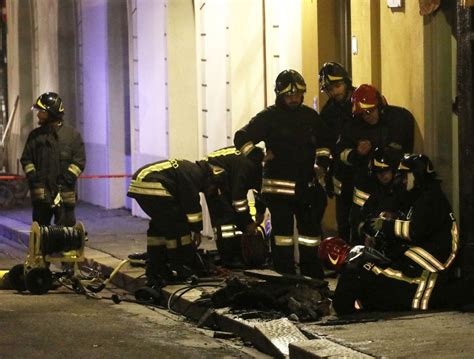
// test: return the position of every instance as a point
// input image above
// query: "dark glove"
(33, 178)
(67, 179)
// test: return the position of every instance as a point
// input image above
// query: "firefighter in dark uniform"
(337, 112)
(52, 159)
(424, 242)
(375, 124)
(294, 136)
(228, 204)
(380, 184)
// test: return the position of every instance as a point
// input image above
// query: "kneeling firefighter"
(229, 207)
(421, 244)
(168, 192)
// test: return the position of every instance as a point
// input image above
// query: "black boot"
(284, 259)
(156, 268)
(310, 264)
(182, 262)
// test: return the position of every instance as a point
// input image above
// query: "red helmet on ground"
(333, 252)
(365, 98)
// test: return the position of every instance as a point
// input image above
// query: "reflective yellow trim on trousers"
(38, 193)
(247, 148)
(68, 197)
(454, 243)
(309, 241)
(402, 229)
(173, 243)
(424, 290)
(283, 241)
(29, 167)
(425, 282)
(194, 217)
(75, 170)
(424, 259)
(157, 168)
(148, 188)
(155, 241)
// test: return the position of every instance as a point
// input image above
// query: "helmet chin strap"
(410, 181)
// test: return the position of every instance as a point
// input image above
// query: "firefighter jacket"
(336, 116)
(235, 175)
(428, 229)
(53, 157)
(295, 138)
(394, 128)
(180, 180)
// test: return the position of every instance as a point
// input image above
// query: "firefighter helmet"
(332, 72)
(333, 252)
(50, 102)
(365, 98)
(418, 168)
(289, 82)
(385, 159)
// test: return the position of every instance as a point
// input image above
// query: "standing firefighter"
(228, 204)
(375, 124)
(168, 192)
(294, 137)
(420, 242)
(336, 113)
(53, 159)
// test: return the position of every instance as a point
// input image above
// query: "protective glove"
(376, 224)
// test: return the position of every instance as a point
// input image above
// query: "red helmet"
(365, 98)
(333, 252)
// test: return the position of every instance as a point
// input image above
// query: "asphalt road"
(62, 324)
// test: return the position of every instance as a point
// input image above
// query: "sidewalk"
(113, 234)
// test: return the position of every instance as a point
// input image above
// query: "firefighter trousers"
(308, 209)
(171, 253)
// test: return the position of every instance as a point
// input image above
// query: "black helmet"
(50, 102)
(332, 72)
(289, 82)
(385, 159)
(419, 166)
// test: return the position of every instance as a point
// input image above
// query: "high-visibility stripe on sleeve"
(283, 241)
(360, 197)
(194, 217)
(29, 168)
(344, 156)
(278, 186)
(75, 170)
(230, 231)
(241, 205)
(173, 243)
(247, 148)
(454, 243)
(337, 186)
(402, 229)
(309, 241)
(323, 152)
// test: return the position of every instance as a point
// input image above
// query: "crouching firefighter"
(294, 136)
(234, 175)
(168, 192)
(419, 243)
